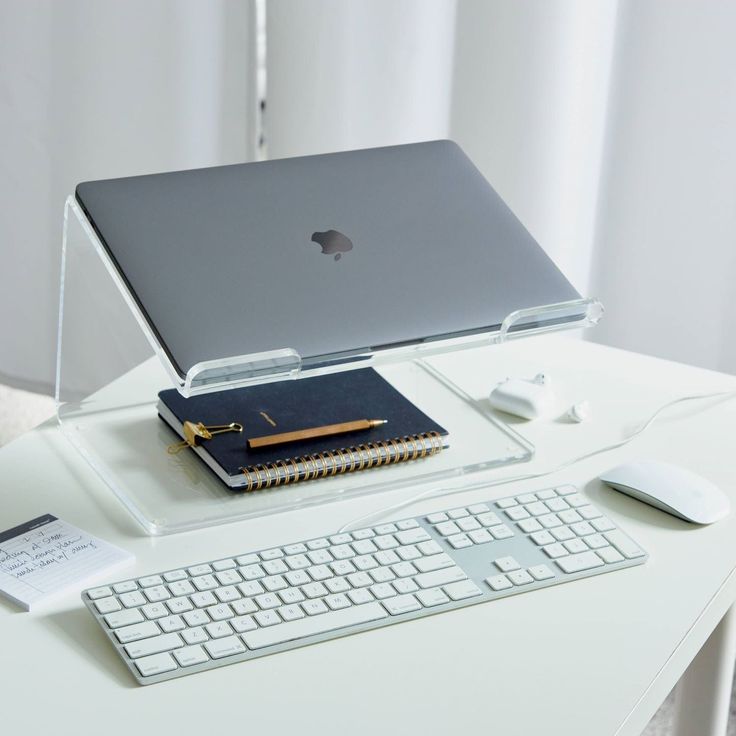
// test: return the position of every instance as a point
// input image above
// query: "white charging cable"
(437, 493)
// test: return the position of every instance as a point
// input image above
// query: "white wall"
(97, 89)
(666, 235)
(356, 74)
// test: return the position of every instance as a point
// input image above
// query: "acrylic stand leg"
(704, 692)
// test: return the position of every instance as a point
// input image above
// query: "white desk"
(590, 658)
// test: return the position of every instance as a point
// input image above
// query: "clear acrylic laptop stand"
(110, 368)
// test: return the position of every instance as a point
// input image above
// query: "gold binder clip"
(194, 431)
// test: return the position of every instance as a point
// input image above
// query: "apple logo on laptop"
(333, 242)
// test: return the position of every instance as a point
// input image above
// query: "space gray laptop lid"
(329, 255)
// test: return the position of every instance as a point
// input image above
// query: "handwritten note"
(47, 556)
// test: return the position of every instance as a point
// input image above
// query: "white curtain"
(608, 127)
(98, 89)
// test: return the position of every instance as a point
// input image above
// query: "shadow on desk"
(87, 641)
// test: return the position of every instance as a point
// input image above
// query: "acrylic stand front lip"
(110, 367)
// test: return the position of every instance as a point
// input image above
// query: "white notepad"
(46, 557)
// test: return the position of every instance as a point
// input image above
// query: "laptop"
(329, 255)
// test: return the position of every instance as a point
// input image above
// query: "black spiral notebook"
(408, 435)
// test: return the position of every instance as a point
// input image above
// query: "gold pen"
(307, 434)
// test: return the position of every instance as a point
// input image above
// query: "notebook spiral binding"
(344, 460)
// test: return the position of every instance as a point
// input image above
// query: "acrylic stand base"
(117, 429)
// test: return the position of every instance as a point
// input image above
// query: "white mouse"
(675, 490)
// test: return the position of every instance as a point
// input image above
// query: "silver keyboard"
(210, 614)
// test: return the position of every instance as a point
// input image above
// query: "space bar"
(319, 624)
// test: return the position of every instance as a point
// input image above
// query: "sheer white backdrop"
(607, 126)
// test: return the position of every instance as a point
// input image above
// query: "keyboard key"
(364, 547)
(134, 632)
(575, 500)
(570, 516)
(227, 564)
(557, 504)
(228, 577)
(338, 601)
(563, 533)
(288, 613)
(506, 564)
(463, 589)
(412, 536)
(254, 572)
(432, 597)
(506, 503)
(188, 656)
(342, 552)
(181, 587)
(566, 490)
(437, 518)
(272, 554)
(527, 498)
(583, 528)
(295, 549)
(555, 550)
(577, 563)
(331, 621)
(609, 555)
(313, 590)
(407, 524)
(501, 532)
(385, 529)
(538, 508)
(318, 543)
(459, 541)
(405, 586)
(219, 612)
(603, 524)
(156, 593)
(337, 585)
(317, 557)
(155, 664)
(549, 521)
(576, 545)
(458, 513)
(429, 548)
(447, 528)
(253, 587)
(365, 562)
(202, 600)
(520, 577)
(107, 605)
(196, 635)
(123, 618)
(594, 541)
(478, 508)
(171, 623)
(96, 593)
(517, 513)
(541, 572)
(439, 577)
(196, 618)
(360, 596)
(246, 623)
(363, 534)
(405, 569)
(435, 562)
(499, 582)
(224, 647)
(382, 574)
(589, 512)
(267, 618)
(546, 494)
(244, 606)
(401, 604)
(245, 560)
(489, 519)
(154, 645)
(481, 536)
(469, 524)
(133, 599)
(529, 525)
(218, 629)
(149, 581)
(387, 557)
(542, 538)
(623, 544)
(126, 587)
(360, 579)
(382, 590)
